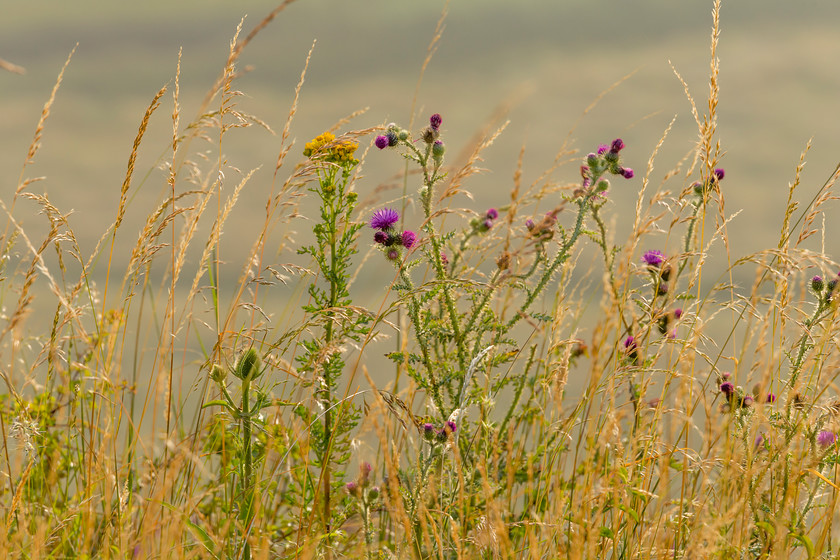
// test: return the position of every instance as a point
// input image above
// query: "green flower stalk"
(335, 244)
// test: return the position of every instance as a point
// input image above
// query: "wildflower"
(492, 213)
(444, 259)
(653, 258)
(249, 365)
(381, 142)
(408, 239)
(727, 388)
(826, 438)
(435, 121)
(617, 145)
(430, 134)
(602, 149)
(382, 238)
(759, 441)
(830, 287)
(666, 319)
(503, 261)
(393, 138)
(384, 219)
(719, 174)
(625, 172)
(771, 398)
(746, 401)
(438, 149)
(579, 348)
(392, 254)
(324, 147)
(726, 375)
(428, 431)
(316, 144)
(817, 284)
(544, 230)
(352, 489)
(631, 348)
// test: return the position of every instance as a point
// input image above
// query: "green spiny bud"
(249, 365)
(438, 149)
(218, 374)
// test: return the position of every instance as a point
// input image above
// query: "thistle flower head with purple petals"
(727, 388)
(435, 121)
(384, 219)
(719, 173)
(653, 258)
(826, 438)
(408, 239)
(381, 141)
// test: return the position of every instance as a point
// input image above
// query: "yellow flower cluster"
(340, 152)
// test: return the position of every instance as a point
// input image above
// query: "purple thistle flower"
(771, 398)
(380, 237)
(450, 426)
(726, 375)
(677, 313)
(817, 283)
(759, 441)
(435, 121)
(826, 438)
(626, 172)
(384, 219)
(408, 239)
(392, 254)
(602, 149)
(352, 488)
(747, 401)
(727, 388)
(492, 213)
(381, 142)
(617, 145)
(653, 258)
(719, 173)
(444, 259)
(487, 224)
(529, 223)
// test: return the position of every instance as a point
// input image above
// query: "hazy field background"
(544, 60)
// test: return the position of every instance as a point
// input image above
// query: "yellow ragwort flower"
(338, 152)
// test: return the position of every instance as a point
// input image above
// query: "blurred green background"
(547, 59)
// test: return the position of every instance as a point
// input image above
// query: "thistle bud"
(438, 149)
(218, 374)
(430, 135)
(249, 365)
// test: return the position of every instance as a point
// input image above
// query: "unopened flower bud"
(438, 149)
(248, 366)
(218, 374)
(430, 135)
